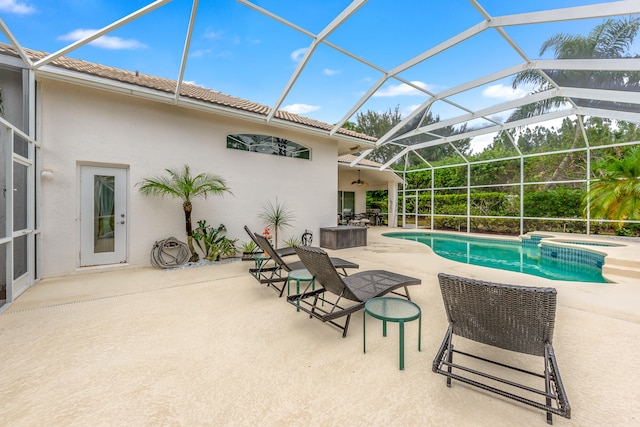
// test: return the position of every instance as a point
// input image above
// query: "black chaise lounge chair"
(277, 274)
(328, 303)
(289, 250)
(515, 318)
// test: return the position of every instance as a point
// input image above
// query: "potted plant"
(266, 233)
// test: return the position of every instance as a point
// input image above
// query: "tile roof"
(348, 158)
(169, 86)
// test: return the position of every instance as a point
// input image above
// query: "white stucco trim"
(56, 73)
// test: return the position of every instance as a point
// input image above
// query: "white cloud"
(104, 42)
(210, 34)
(13, 6)
(409, 109)
(199, 53)
(403, 90)
(330, 72)
(502, 92)
(481, 142)
(297, 54)
(300, 108)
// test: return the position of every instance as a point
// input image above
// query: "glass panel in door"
(103, 229)
(103, 213)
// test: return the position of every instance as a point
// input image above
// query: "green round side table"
(261, 259)
(390, 309)
(300, 275)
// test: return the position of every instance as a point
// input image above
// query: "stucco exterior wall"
(81, 125)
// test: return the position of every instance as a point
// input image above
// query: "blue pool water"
(504, 255)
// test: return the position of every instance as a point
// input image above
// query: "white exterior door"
(103, 215)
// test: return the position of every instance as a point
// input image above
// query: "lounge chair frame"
(277, 275)
(515, 318)
(286, 251)
(342, 296)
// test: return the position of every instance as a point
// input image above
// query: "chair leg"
(313, 309)
(282, 289)
(449, 359)
(346, 326)
(547, 384)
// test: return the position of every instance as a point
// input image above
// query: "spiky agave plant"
(277, 216)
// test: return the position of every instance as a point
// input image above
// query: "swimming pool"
(511, 255)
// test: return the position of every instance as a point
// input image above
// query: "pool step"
(621, 267)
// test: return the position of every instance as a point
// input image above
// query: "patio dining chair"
(342, 296)
(516, 318)
(278, 273)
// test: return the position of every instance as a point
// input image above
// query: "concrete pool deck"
(211, 346)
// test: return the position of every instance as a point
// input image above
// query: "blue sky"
(240, 51)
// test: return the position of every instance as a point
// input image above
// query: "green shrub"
(212, 241)
(545, 203)
(556, 203)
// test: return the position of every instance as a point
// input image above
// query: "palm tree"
(180, 184)
(616, 194)
(611, 39)
(276, 216)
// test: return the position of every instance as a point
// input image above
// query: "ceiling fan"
(359, 181)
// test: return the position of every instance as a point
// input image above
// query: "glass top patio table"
(389, 309)
(392, 309)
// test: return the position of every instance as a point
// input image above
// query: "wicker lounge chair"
(277, 274)
(328, 303)
(515, 318)
(289, 250)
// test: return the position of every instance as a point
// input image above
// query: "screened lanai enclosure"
(543, 159)
(513, 186)
(514, 116)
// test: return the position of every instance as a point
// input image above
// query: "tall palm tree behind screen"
(611, 39)
(180, 184)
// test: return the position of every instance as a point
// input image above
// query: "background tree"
(377, 124)
(180, 184)
(611, 39)
(349, 125)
